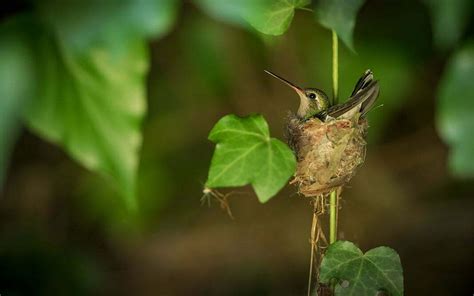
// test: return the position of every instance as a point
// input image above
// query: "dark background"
(64, 230)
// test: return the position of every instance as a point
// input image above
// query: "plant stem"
(335, 87)
(333, 217)
(335, 67)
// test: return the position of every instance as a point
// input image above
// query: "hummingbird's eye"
(312, 96)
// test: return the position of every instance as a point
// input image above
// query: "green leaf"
(92, 104)
(80, 23)
(246, 154)
(455, 119)
(16, 84)
(356, 273)
(340, 16)
(274, 17)
(449, 19)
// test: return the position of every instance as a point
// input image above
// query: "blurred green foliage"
(91, 61)
(92, 103)
(455, 110)
(449, 20)
(82, 23)
(206, 58)
(17, 81)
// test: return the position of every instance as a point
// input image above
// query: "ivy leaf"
(356, 273)
(274, 17)
(455, 110)
(92, 104)
(246, 154)
(340, 16)
(449, 19)
(16, 83)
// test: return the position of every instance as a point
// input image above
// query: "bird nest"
(328, 153)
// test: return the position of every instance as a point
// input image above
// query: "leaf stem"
(335, 85)
(305, 8)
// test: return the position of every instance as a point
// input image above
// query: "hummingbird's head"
(312, 100)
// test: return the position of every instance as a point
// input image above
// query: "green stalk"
(335, 67)
(333, 217)
(335, 85)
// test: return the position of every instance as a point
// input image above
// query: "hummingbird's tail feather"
(363, 81)
(360, 102)
(362, 84)
(369, 103)
(362, 99)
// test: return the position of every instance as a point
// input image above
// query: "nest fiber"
(328, 152)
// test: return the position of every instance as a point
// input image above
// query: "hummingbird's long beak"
(298, 89)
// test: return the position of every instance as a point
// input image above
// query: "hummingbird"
(315, 103)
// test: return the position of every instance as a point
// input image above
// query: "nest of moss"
(328, 153)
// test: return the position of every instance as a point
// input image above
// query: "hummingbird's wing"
(365, 96)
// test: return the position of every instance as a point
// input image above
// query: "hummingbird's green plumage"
(315, 103)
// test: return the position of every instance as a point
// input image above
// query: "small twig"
(313, 248)
(318, 239)
(323, 238)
